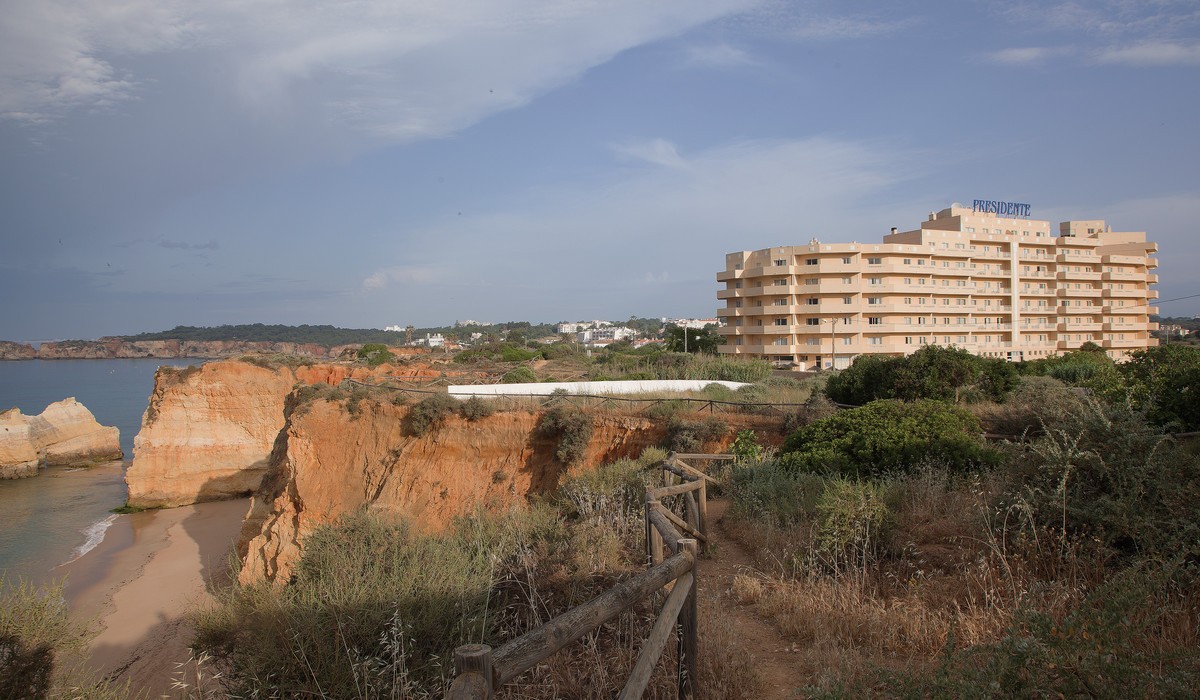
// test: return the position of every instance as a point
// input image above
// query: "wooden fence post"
(688, 629)
(703, 498)
(474, 679)
(654, 541)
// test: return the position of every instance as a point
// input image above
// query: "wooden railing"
(480, 670)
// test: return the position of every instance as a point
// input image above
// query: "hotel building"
(993, 283)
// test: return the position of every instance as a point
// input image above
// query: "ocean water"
(57, 515)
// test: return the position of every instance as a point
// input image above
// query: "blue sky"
(370, 163)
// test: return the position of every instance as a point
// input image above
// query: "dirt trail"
(773, 656)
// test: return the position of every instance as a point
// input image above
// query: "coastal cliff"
(208, 431)
(120, 349)
(64, 434)
(327, 462)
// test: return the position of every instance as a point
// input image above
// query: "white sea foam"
(94, 535)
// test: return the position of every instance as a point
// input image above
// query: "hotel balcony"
(1151, 293)
(1038, 292)
(1151, 278)
(1127, 343)
(1129, 327)
(1122, 260)
(1130, 310)
(1128, 293)
(1089, 275)
(1076, 258)
(1124, 276)
(1068, 293)
(1079, 327)
(1039, 310)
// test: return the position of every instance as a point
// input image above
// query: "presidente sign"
(1001, 208)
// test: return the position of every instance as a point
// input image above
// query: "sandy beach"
(140, 582)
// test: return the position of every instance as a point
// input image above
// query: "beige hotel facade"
(982, 277)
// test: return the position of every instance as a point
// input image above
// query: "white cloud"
(656, 151)
(1152, 53)
(717, 56)
(1024, 56)
(401, 275)
(393, 71)
(836, 28)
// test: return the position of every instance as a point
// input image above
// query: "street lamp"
(832, 340)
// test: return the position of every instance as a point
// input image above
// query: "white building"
(603, 336)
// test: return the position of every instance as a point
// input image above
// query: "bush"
(519, 375)
(1038, 402)
(375, 354)
(690, 436)
(1165, 380)
(852, 523)
(573, 428)
(933, 372)
(475, 408)
(370, 605)
(773, 494)
(428, 414)
(745, 447)
(888, 435)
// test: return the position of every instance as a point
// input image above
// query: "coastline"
(138, 585)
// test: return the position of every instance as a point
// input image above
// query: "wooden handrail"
(480, 670)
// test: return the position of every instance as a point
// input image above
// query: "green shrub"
(375, 354)
(370, 605)
(475, 408)
(745, 447)
(886, 436)
(685, 435)
(1037, 403)
(516, 353)
(773, 494)
(428, 414)
(852, 523)
(519, 375)
(933, 372)
(573, 428)
(1165, 381)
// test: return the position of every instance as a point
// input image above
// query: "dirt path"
(773, 656)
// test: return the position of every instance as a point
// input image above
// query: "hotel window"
(810, 261)
(908, 340)
(908, 261)
(962, 302)
(812, 301)
(920, 262)
(737, 266)
(874, 300)
(812, 321)
(737, 285)
(814, 341)
(780, 283)
(875, 340)
(780, 341)
(781, 321)
(945, 302)
(946, 339)
(847, 300)
(847, 280)
(812, 281)
(874, 261)
(908, 300)
(737, 340)
(737, 304)
(920, 320)
(874, 321)
(923, 340)
(874, 280)
(848, 340)
(962, 321)
(921, 301)
(781, 302)
(780, 263)
(908, 280)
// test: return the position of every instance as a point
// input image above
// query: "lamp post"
(832, 341)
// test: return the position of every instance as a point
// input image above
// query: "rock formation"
(327, 462)
(118, 348)
(16, 351)
(66, 433)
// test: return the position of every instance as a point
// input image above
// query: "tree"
(1165, 382)
(693, 340)
(933, 372)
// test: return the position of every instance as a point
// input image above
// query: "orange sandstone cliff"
(66, 433)
(328, 462)
(208, 431)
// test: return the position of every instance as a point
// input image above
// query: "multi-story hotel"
(996, 284)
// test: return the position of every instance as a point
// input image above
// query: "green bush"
(852, 522)
(685, 435)
(745, 447)
(375, 354)
(370, 605)
(519, 375)
(573, 428)
(886, 436)
(775, 495)
(1038, 402)
(516, 353)
(428, 414)
(933, 372)
(1165, 380)
(475, 408)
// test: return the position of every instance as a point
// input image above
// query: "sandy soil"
(139, 583)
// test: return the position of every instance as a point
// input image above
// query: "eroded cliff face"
(327, 462)
(66, 433)
(206, 433)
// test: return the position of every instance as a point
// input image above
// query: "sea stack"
(64, 434)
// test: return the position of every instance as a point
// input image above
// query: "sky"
(378, 162)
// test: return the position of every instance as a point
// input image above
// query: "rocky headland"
(119, 349)
(64, 434)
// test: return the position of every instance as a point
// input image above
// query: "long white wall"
(593, 388)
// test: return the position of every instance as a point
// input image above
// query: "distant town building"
(394, 329)
(432, 340)
(697, 323)
(981, 278)
(471, 322)
(581, 326)
(604, 336)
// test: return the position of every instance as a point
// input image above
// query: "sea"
(58, 515)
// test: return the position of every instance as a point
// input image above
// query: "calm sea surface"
(52, 518)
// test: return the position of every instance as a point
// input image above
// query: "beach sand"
(140, 582)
